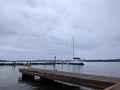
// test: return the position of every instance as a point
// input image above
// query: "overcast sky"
(42, 29)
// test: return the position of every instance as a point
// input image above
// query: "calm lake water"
(10, 78)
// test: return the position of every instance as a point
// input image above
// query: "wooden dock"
(98, 82)
(29, 63)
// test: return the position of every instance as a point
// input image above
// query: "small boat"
(76, 61)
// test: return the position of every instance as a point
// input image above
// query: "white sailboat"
(76, 60)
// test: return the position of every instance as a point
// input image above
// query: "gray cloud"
(40, 29)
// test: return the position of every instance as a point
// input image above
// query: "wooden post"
(46, 80)
(27, 77)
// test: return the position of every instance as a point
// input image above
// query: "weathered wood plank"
(113, 87)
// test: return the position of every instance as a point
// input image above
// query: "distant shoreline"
(101, 60)
(108, 60)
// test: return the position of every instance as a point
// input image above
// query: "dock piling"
(46, 80)
(27, 77)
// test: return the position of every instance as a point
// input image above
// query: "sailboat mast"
(73, 46)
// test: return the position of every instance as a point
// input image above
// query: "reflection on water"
(9, 75)
(77, 68)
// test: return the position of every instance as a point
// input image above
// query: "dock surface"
(99, 82)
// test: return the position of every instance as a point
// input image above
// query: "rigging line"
(70, 51)
(73, 46)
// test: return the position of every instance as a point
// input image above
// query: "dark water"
(10, 76)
